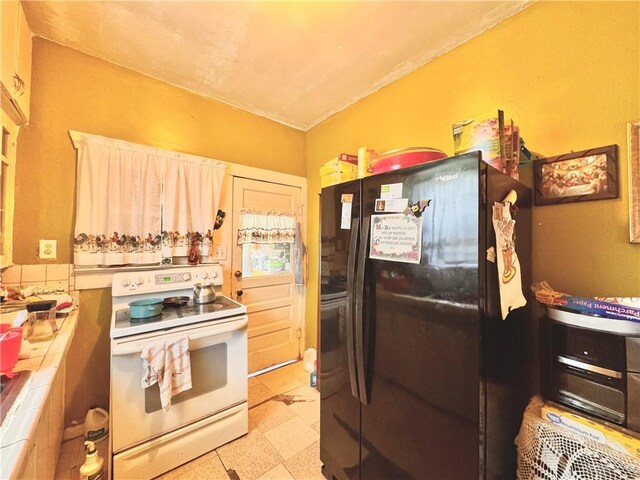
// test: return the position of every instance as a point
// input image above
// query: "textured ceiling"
(294, 62)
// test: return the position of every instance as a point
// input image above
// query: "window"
(138, 205)
(266, 239)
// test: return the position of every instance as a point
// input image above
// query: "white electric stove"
(146, 441)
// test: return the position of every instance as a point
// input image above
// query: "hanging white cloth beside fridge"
(509, 273)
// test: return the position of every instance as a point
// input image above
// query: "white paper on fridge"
(391, 205)
(345, 216)
(396, 237)
(391, 190)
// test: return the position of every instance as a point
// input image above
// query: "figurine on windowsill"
(194, 252)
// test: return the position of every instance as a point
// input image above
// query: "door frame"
(260, 174)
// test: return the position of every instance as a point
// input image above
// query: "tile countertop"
(18, 427)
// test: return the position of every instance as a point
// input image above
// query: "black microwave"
(595, 370)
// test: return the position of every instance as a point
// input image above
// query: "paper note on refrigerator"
(396, 237)
(345, 217)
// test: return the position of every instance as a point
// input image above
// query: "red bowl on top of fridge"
(406, 157)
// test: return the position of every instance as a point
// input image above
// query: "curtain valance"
(266, 227)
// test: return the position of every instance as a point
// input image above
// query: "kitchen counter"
(22, 419)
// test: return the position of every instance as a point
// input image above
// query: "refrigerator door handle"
(351, 267)
(362, 259)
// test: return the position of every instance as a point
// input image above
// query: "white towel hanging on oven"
(169, 364)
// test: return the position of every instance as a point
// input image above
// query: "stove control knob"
(205, 275)
(139, 281)
(126, 282)
(186, 277)
(215, 274)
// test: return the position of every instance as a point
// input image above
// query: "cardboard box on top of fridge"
(617, 438)
(337, 177)
(481, 133)
(365, 156)
(344, 162)
(340, 169)
(499, 141)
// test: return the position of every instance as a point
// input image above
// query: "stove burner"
(123, 316)
(155, 318)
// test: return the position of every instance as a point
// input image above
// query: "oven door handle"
(221, 333)
(589, 368)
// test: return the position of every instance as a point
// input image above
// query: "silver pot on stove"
(203, 293)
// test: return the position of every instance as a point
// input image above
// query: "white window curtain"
(191, 199)
(121, 189)
(112, 177)
(266, 227)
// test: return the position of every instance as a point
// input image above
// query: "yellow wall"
(569, 74)
(74, 91)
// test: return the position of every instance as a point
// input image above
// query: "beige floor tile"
(279, 472)
(253, 381)
(295, 369)
(249, 456)
(306, 465)
(285, 378)
(292, 437)
(252, 425)
(305, 403)
(207, 466)
(270, 414)
(258, 393)
(316, 426)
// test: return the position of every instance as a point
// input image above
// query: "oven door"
(218, 351)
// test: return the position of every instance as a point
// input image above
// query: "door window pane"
(260, 259)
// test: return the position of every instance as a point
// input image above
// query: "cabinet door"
(57, 412)
(10, 21)
(7, 187)
(23, 65)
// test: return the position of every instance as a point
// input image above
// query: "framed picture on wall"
(633, 144)
(577, 176)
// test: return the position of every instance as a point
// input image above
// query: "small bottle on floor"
(313, 378)
(91, 469)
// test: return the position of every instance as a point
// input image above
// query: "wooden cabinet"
(42, 455)
(16, 61)
(7, 188)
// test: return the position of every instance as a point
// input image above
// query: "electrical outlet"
(220, 252)
(48, 249)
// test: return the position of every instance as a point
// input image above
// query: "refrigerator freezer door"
(421, 324)
(339, 407)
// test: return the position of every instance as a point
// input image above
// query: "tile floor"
(282, 443)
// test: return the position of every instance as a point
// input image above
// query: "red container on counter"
(406, 157)
(9, 348)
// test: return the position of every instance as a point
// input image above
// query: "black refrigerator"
(420, 377)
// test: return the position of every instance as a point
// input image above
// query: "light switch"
(48, 249)
(219, 252)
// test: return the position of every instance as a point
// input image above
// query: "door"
(339, 403)
(263, 276)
